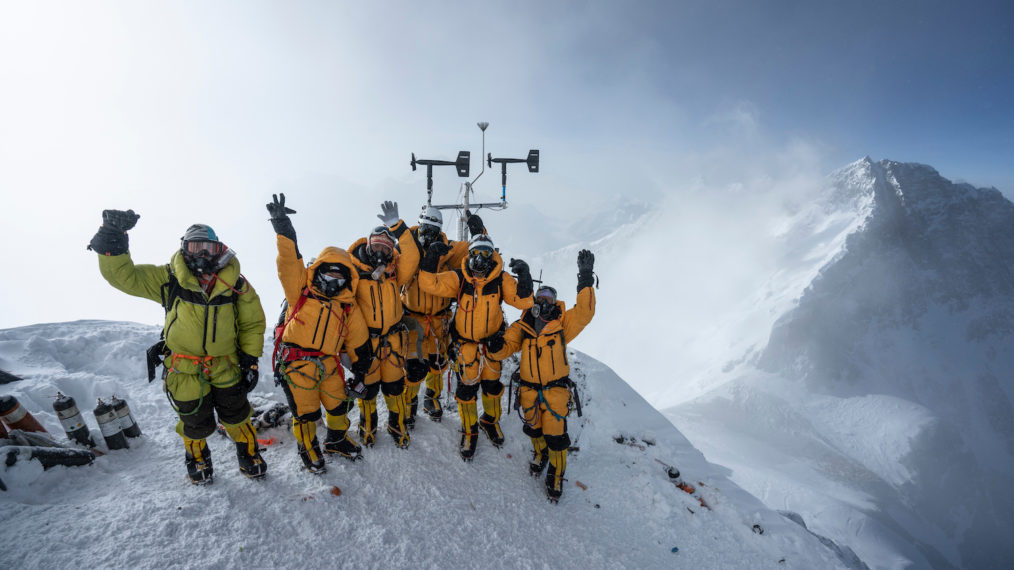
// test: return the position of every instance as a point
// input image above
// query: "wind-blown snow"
(421, 507)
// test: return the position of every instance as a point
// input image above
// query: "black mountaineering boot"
(199, 469)
(469, 437)
(540, 456)
(431, 405)
(313, 459)
(337, 441)
(368, 422)
(554, 474)
(413, 408)
(253, 466)
(491, 428)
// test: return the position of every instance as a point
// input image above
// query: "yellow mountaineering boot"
(410, 396)
(307, 446)
(368, 421)
(540, 456)
(251, 463)
(198, 458)
(489, 423)
(431, 399)
(396, 420)
(338, 439)
(554, 475)
(468, 412)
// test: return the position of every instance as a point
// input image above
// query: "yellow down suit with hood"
(317, 329)
(379, 300)
(429, 334)
(477, 317)
(544, 393)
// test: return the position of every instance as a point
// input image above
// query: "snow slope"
(421, 507)
(882, 405)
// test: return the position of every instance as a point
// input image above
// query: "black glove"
(119, 220)
(416, 369)
(495, 343)
(280, 217)
(518, 267)
(434, 252)
(525, 284)
(475, 226)
(585, 265)
(356, 386)
(111, 239)
(248, 372)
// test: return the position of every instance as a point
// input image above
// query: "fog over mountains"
(890, 378)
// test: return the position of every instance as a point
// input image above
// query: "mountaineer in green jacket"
(214, 334)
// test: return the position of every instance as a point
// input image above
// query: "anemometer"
(461, 164)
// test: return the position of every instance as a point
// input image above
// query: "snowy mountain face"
(881, 405)
(416, 508)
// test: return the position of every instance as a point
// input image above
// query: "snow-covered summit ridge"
(420, 507)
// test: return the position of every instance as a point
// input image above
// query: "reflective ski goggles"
(481, 252)
(381, 249)
(339, 280)
(209, 247)
(546, 294)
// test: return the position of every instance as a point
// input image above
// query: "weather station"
(465, 206)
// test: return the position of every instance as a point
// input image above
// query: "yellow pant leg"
(490, 369)
(392, 365)
(531, 413)
(332, 389)
(554, 411)
(304, 383)
(470, 361)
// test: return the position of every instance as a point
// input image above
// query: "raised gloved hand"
(119, 220)
(438, 249)
(525, 284)
(248, 372)
(356, 386)
(475, 226)
(495, 343)
(277, 207)
(389, 213)
(518, 267)
(585, 266)
(434, 252)
(280, 218)
(111, 238)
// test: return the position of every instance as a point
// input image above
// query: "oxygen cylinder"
(70, 418)
(17, 417)
(109, 425)
(126, 419)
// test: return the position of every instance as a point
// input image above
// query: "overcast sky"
(198, 111)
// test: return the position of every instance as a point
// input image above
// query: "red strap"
(280, 331)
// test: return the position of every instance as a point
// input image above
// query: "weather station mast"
(461, 164)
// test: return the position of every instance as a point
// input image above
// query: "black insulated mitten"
(111, 238)
(525, 284)
(475, 226)
(585, 267)
(433, 254)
